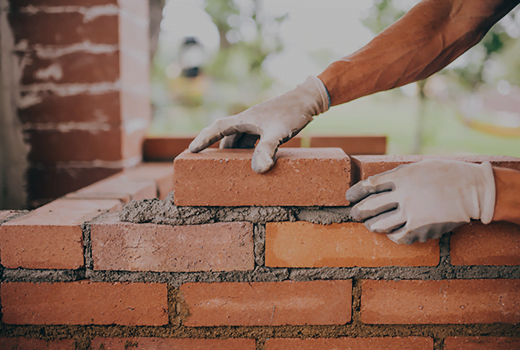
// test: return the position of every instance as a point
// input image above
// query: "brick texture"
(481, 343)
(301, 176)
(267, 303)
(167, 148)
(21, 3)
(495, 244)
(352, 145)
(84, 303)
(36, 344)
(442, 302)
(50, 237)
(176, 344)
(295, 142)
(160, 173)
(366, 166)
(303, 244)
(119, 186)
(46, 183)
(149, 247)
(409, 343)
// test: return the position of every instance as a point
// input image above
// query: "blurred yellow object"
(490, 128)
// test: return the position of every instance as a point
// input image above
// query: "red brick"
(51, 146)
(441, 302)
(167, 148)
(177, 344)
(135, 68)
(481, 343)
(84, 108)
(408, 343)
(133, 27)
(63, 28)
(90, 3)
(132, 142)
(295, 142)
(36, 344)
(160, 173)
(50, 237)
(303, 244)
(352, 145)
(495, 244)
(83, 303)
(135, 7)
(365, 166)
(301, 176)
(148, 247)
(135, 106)
(267, 303)
(46, 183)
(75, 67)
(119, 186)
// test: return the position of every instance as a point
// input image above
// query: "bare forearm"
(507, 205)
(422, 42)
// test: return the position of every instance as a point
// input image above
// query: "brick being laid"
(267, 303)
(440, 302)
(304, 244)
(300, 177)
(51, 236)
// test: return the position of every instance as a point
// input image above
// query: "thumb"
(264, 156)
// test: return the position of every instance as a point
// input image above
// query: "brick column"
(82, 91)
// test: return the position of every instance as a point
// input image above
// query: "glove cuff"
(488, 194)
(317, 91)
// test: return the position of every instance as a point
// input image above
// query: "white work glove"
(275, 121)
(424, 200)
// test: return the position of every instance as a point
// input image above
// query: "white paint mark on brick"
(69, 126)
(86, 46)
(72, 89)
(28, 100)
(53, 71)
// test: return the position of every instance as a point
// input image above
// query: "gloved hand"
(275, 121)
(424, 200)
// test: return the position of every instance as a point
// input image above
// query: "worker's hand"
(424, 200)
(275, 121)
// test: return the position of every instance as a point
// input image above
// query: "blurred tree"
(481, 59)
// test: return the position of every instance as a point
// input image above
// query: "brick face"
(481, 343)
(495, 244)
(352, 145)
(149, 247)
(36, 344)
(301, 176)
(176, 344)
(83, 108)
(267, 303)
(76, 67)
(63, 28)
(442, 302)
(409, 343)
(83, 303)
(50, 237)
(303, 244)
(160, 173)
(167, 148)
(366, 166)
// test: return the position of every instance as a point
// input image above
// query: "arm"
(507, 206)
(422, 42)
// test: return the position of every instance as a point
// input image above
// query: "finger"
(403, 236)
(365, 188)
(386, 222)
(215, 132)
(265, 153)
(374, 205)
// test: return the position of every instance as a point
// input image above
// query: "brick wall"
(79, 89)
(84, 272)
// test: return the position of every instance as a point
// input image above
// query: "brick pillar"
(82, 93)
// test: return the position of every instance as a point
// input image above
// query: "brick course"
(409, 343)
(352, 145)
(176, 344)
(497, 243)
(301, 176)
(149, 247)
(303, 244)
(273, 304)
(51, 236)
(36, 344)
(441, 302)
(481, 343)
(83, 303)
